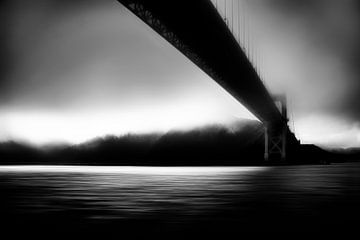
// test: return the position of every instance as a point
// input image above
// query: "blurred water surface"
(247, 195)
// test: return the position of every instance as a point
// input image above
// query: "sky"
(75, 70)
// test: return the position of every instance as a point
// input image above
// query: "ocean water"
(295, 198)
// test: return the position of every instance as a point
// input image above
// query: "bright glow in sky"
(328, 131)
(78, 127)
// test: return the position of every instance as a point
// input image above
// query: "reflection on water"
(179, 194)
(118, 192)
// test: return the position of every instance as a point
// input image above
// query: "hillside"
(239, 144)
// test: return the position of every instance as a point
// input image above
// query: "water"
(296, 198)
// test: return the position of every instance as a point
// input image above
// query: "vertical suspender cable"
(243, 27)
(225, 14)
(238, 22)
(232, 16)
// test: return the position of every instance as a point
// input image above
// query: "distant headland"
(212, 145)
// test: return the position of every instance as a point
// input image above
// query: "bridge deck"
(199, 32)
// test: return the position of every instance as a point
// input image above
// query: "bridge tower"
(276, 136)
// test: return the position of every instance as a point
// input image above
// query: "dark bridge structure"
(198, 31)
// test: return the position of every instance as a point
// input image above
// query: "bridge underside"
(197, 30)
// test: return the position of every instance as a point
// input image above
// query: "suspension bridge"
(212, 34)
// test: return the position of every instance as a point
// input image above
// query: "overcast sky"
(75, 70)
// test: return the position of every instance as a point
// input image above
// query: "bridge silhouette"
(198, 31)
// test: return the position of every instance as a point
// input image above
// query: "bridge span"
(197, 30)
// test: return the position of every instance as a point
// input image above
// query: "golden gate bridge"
(213, 35)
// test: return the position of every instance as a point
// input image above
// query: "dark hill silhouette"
(241, 143)
(213, 145)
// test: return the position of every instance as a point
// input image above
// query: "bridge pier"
(275, 144)
(276, 136)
